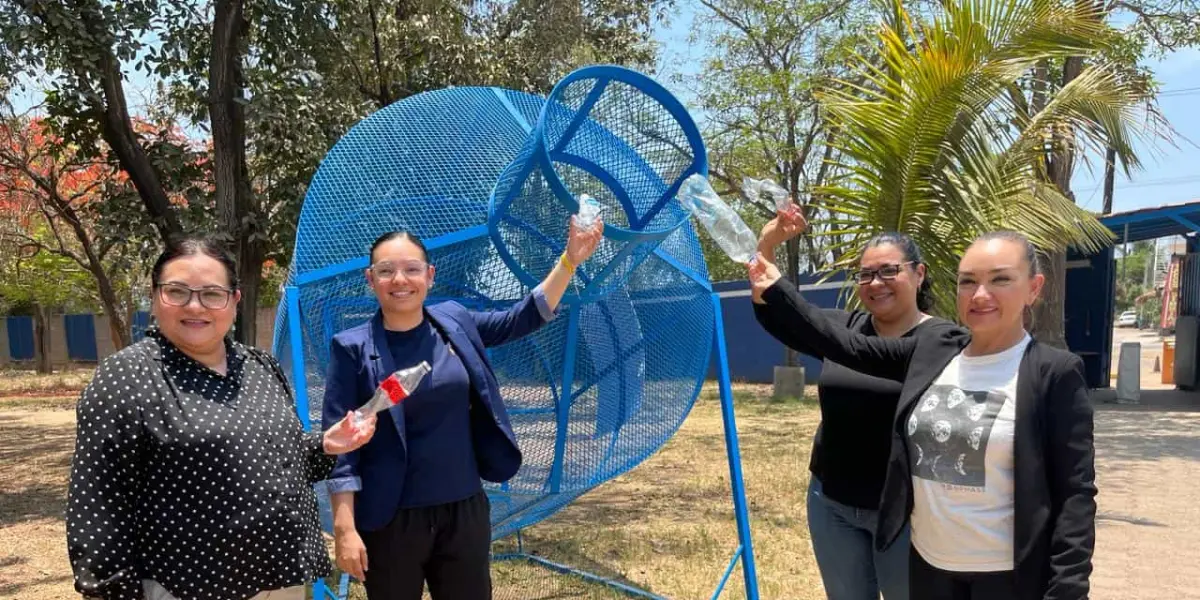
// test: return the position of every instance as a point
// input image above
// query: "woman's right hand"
(785, 226)
(351, 554)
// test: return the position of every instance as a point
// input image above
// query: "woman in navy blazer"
(409, 506)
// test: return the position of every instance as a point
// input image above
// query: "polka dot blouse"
(198, 481)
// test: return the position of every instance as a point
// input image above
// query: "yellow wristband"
(566, 262)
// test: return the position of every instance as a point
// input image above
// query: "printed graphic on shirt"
(949, 431)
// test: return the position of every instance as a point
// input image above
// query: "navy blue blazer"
(359, 359)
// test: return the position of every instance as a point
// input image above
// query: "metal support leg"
(300, 384)
(746, 548)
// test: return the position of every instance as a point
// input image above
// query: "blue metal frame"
(291, 295)
(581, 113)
(512, 110)
(362, 262)
(565, 399)
(746, 548)
(542, 158)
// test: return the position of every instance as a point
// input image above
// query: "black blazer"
(1053, 453)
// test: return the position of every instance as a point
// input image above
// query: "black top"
(198, 481)
(1054, 529)
(441, 456)
(851, 447)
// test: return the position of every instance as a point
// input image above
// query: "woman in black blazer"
(992, 454)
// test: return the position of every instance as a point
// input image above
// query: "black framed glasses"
(177, 294)
(388, 270)
(886, 273)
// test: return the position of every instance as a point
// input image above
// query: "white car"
(1127, 319)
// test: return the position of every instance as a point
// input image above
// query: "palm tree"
(950, 134)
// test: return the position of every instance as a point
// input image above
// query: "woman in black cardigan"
(992, 453)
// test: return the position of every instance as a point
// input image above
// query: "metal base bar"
(728, 571)
(566, 570)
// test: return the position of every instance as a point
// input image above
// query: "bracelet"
(566, 262)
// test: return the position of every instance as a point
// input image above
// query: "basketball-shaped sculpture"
(488, 178)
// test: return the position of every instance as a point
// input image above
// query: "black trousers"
(927, 582)
(446, 545)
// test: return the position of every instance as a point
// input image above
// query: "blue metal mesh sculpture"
(464, 169)
(488, 178)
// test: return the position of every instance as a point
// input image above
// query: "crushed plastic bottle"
(768, 191)
(393, 390)
(589, 211)
(722, 222)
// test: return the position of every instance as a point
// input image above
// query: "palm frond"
(938, 140)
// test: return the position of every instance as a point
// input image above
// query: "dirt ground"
(669, 524)
(1148, 525)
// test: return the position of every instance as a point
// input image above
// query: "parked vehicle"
(1128, 318)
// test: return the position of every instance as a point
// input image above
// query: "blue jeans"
(843, 539)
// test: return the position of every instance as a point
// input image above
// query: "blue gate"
(81, 337)
(20, 338)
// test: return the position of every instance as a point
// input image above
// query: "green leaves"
(942, 142)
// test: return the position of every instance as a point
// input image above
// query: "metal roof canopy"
(1152, 223)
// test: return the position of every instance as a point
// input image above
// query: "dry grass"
(29, 390)
(65, 381)
(667, 526)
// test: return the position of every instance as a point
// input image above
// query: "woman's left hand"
(762, 274)
(345, 437)
(581, 243)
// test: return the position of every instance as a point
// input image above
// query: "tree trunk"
(91, 261)
(118, 132)
(1048, 316)
(41, 339)
(235, 207)
(1110, 171)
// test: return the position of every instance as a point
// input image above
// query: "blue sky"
(1169, 174)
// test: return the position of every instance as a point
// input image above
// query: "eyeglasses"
(886, 273)
(387, 270)
(177, 294)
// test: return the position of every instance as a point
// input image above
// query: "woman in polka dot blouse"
(192, 476)
(409, 507)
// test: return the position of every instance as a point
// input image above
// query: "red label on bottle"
(394, 390)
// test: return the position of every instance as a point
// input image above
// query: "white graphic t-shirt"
(960, 446)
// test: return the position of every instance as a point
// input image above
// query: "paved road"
(1148, 526)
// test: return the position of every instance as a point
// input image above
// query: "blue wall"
(753, 353)
(20, 338)
(81, 337)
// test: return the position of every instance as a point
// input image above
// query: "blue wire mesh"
(429, 164)
(617, 136)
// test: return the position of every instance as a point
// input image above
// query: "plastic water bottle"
(589, 210)
(770, 192)
(721, 221)
(393, 390)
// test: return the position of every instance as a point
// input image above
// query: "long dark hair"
(912, 253)
(192, 245)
